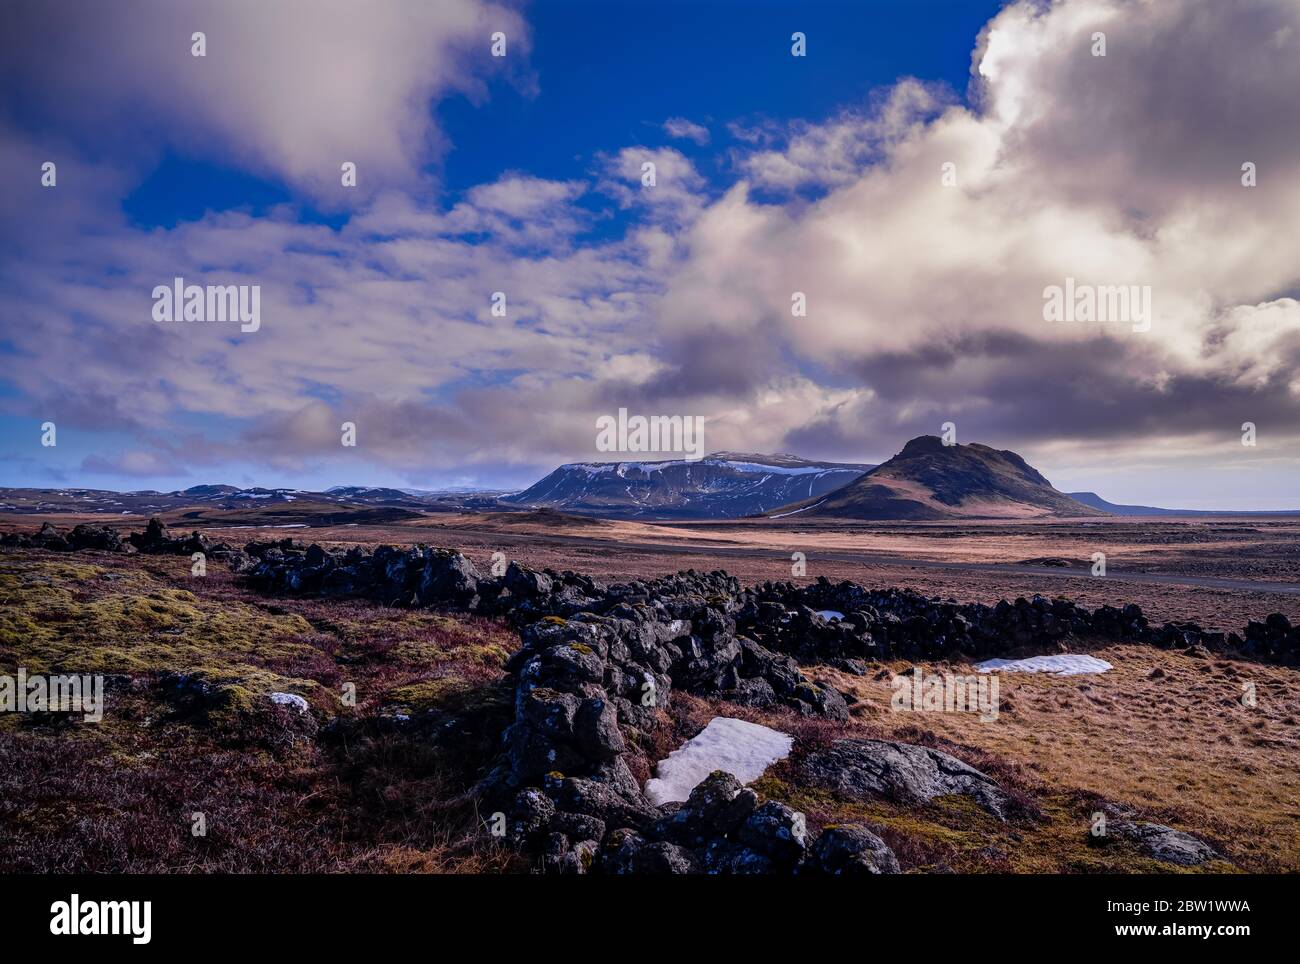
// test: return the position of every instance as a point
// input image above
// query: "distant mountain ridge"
(931, 480)
(723, 485)
(149, 501)
(1097, 502)
(925, 480)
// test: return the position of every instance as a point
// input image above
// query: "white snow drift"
(1065, 664)
(742, 749)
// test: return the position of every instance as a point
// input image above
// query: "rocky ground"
(532, 706)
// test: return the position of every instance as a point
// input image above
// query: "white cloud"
(677, 194)
(836, 153)
(683, 129)
(291, 88)
(933, 294)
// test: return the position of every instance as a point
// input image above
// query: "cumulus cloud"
(291, 89)
(1186, 94)
(930, 293)
(835, 153)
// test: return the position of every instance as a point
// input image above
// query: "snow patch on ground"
(829, 614)
(742, 749)
(782, 515)
(291, 700)
(1065, 664)
(289, 525)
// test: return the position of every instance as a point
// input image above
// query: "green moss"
(487, 654)
(581, 648)
(51, 622)
(232, 704)
(807, 692)
(448, 692)
(248, 684)
(555, 620)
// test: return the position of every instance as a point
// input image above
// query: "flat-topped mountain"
(931, 480)
(724, 485)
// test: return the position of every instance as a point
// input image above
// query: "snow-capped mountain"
(724, 485)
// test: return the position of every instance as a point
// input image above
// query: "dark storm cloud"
(1017, 389)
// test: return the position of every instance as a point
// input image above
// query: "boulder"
(662, 857)
(155, 537)
(718, 806)
(102, 538)
(51, 538)
(902, 772)
(777, 832)
(850, 849)
(448, 578)
(1165, 843)
(525, 582)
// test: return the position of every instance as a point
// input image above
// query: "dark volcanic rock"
(523, 581)
(665, 858)
(850, 849)
(719, 806)
(691, 626)
(777, 832)
(447, 578)
(158, 541)
(1165, 843)
(902, 772)
(96, 537)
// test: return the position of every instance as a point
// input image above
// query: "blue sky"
(777, 174)
(608, 75)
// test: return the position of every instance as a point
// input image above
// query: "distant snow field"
(1064, 664)
(829, 614)
(742, 749)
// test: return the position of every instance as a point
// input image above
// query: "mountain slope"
(930, 480)
(1114, 508)
(724, 485)
(1097, 502)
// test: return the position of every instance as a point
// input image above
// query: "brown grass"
(1177, 746)
(373, 793)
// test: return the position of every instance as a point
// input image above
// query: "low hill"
(931, 480)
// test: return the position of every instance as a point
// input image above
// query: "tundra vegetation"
(436, 698)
